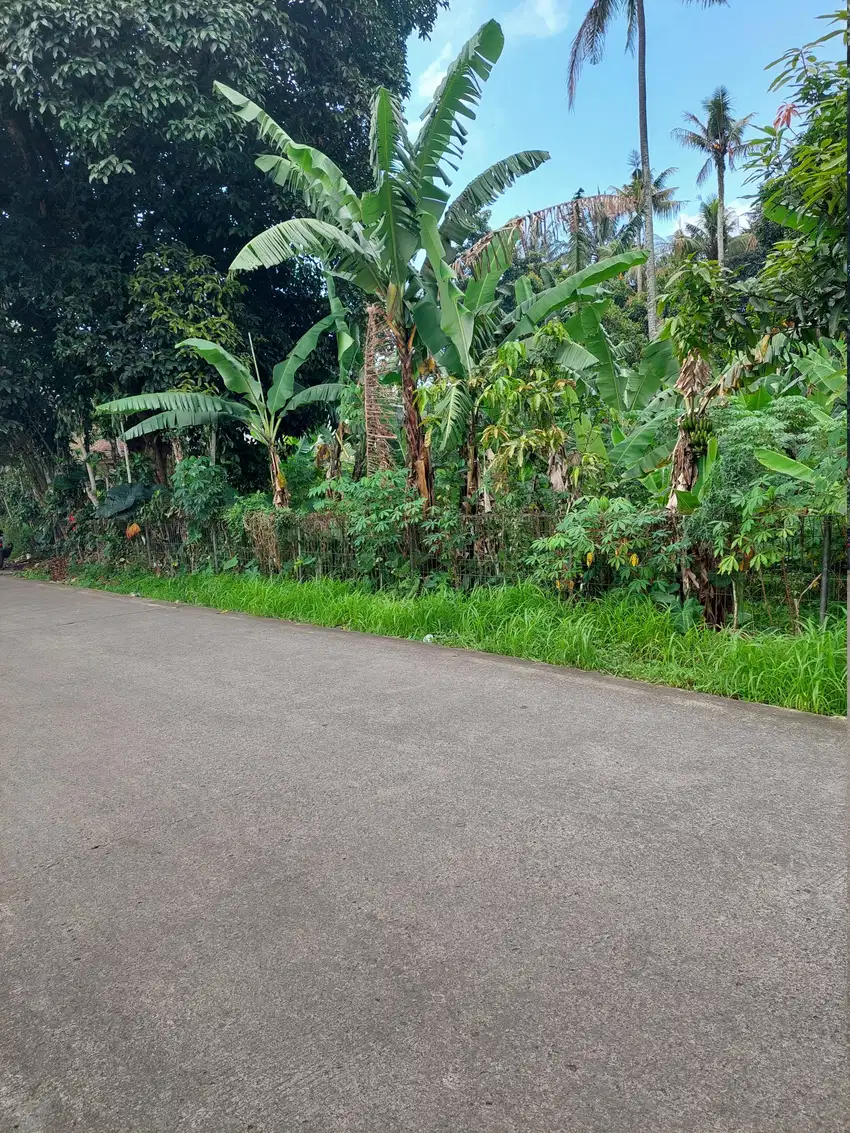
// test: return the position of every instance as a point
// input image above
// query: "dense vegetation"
(455, 406)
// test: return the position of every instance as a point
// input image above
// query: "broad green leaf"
(442, 136)
(588, 437)
(658, 367)
(573, 356)
(455, 320)
(347, 343)
(174, 419)
(314, 395)
(533, 311)
(482, 291)
(389, 214)
(483, 190)
(309, 237)
(688, 501)
(235, 374)
(758, 399)
(320, 176)
(789, 218)
(386, 133)
(178, 401)
(426, 315)
(779, 462)
(523, 291)
(283, 375)
(453, 411)
(586, 326)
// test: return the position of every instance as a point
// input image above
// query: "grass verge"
(617, 634)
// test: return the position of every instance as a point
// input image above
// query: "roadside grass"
(617, 634)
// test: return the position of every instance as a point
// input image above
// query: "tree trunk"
(280, 492)
(651, 290)
(721, 212)
(824, 575)
(159, 460)
(213, 442)
(419, 472)
(470, 502)
(380, 343)
(684, 468)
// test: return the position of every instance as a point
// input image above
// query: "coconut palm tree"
(721, 138)
(664, 204)
(704, 237)
(589, 44)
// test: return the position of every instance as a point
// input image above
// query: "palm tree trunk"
(651, 290)
(721, 212)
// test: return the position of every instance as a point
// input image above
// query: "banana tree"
(375, 239)
(260, 411)
(460, 328)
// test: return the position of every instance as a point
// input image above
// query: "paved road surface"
(270, 878)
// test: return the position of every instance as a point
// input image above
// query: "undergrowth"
(619, 634)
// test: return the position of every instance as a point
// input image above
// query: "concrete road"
(272, 878)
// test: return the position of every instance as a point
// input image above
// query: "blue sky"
(690, 51)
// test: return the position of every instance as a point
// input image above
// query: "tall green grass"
(618, 634)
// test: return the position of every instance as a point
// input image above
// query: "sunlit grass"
(617, 634)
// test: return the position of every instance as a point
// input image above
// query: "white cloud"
(434, 73)
(536, 18)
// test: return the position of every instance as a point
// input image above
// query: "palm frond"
(589, 42)
(543, 225)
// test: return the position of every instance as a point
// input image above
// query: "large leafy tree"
(801, 162)
(112, 145)
(589, 44)
(720, 137)
(376, 239)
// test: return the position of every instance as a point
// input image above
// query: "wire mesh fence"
(477, 550)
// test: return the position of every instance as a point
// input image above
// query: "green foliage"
(97, 264)
(802, 159)
(379, 512)
(122, 501)
(602, 541)
(200, 491)
(703, 312)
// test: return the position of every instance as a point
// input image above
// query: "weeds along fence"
(480, 550)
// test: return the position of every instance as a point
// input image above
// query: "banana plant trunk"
(419, 470)
(280, 492)
(721, 212)
(646, 172)
(684, 468)
(473, 478)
